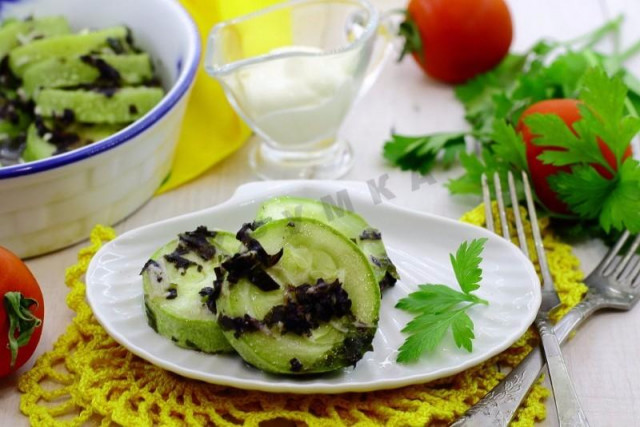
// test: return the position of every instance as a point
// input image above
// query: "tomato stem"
(22, 322)
(411, 34)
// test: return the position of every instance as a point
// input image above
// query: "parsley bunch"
(494, 102)
(439, 308)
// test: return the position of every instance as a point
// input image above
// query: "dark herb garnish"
(387, 281)
(172, 292)
(180, 262)
(107, 72)
(296, 366)
(197, 241)
(370, 234)
(239, 324)
(307, 306)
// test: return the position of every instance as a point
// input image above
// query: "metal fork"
(614, 284)
(570, 412)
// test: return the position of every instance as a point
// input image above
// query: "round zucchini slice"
(180, 286)
(352, 225)
(301, 298)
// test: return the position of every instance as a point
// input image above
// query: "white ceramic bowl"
(52, 203)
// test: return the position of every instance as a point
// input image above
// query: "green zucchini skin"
(123, 106)
(352, 225)
(22, 57)
(61, 72)
(184, 317)
(311, 252)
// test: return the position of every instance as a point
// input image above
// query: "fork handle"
(570, 412)
(498, 407)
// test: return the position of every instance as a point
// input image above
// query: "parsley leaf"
(551, 131)
(584, 190)
(434, 299)
(420, 153)
(622, 207)
(466, 264)
(440, 308)
(508, 145)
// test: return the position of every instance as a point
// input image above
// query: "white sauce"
(296, 100)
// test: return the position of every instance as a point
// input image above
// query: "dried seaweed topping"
(296, 366)
(308, 306)
(211, 293)
(370, 234)
(197, 241)
(382, 262)
(239, 324)
(107, 72)
(116, 45)
(388, 281)
(63, 141)
(149, 263)
(180, 262)
(262, 279)
(239, 265)
(244, 235)
(67, 118)
(172, 291)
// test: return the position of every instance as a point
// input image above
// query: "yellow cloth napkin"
(211, 130)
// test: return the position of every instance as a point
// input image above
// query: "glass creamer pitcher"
(292, 71)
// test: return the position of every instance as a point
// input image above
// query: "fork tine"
(635, 276)
(630, 270)
(537, 237)
(522, 239)
(486, 198)
(502, 212)
(632, 250)
(612, 253)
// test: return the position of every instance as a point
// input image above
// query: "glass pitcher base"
(332, 163)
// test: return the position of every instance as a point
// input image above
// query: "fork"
(569, 411)
(614, 284)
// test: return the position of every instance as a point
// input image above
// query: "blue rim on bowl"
(177, 91)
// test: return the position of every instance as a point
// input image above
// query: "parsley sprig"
(494, 101)
(439, 308)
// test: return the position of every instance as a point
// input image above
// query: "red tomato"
(567, 110)
(460, 38)
(16, 281)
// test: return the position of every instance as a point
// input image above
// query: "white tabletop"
(604, 356)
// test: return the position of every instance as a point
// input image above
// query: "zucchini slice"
(300, 298)
(352, 225)
(55, 141)
(179, 283)
(16, 32)
(120, 106)
(87, 69)
(65, 45)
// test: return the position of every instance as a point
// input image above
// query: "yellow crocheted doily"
(89, 378)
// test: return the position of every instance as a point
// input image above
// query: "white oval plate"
(419, 244)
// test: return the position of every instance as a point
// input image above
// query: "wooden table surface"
(604, 357)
